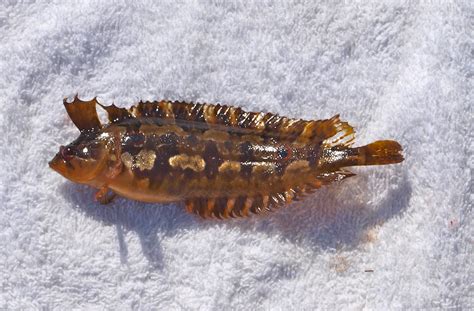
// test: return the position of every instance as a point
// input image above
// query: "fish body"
(220, 160)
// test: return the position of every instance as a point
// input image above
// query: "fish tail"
(377, 153)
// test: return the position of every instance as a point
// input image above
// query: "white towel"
(395, 237)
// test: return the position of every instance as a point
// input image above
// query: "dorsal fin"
(332, 131)
(338, 133)
(83, 114)
(116, 114)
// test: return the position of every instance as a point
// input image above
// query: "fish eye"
(66, 152)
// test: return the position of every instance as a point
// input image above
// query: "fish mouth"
(61, 159)
(59, 164)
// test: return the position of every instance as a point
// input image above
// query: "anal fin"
(243, 206)
(334, 176)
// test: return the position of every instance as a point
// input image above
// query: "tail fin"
(379, 152)
(376, 153)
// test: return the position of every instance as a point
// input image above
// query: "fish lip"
(56, 161)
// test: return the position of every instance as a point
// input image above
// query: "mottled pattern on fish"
(220, 160)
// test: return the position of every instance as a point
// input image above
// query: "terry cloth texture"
(397, 237)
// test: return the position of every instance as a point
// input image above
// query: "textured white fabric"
(397, 236)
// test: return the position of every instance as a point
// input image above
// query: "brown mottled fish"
(221, 161)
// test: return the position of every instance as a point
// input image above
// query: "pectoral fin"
(103, 197)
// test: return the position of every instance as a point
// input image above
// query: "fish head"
(83, 160)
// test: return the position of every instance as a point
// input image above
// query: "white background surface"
(395, 71)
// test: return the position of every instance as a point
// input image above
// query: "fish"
(220, 160)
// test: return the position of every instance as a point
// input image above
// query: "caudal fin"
(379, 152)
